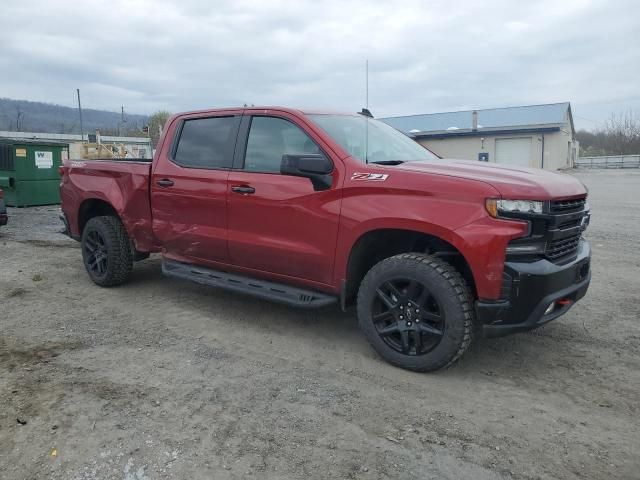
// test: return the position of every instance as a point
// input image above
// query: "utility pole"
(80, 111)
(122, 120)
(19, 118)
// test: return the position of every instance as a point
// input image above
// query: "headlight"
(495, 206)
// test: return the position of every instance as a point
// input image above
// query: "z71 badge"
(372, 177)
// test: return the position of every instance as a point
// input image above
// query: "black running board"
(276, 292)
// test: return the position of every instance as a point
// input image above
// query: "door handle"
(244, 189)
(165, 182)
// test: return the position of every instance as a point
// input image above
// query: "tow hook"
(558, 303)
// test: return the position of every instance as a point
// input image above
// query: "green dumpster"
(29, 172)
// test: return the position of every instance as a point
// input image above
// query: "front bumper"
(3, 213)
(530, 288)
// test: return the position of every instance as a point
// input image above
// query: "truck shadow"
(332, 330)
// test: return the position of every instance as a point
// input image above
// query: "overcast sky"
(428, 56)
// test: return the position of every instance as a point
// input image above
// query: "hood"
(518, 183)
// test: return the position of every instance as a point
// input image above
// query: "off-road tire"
(119, 255)
(446, 285)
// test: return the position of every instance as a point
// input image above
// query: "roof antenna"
(366, 83)
(365, 111)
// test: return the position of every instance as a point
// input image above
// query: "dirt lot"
(167, 379)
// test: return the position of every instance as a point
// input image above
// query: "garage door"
(514, 151)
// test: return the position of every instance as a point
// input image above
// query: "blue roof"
(492, 118)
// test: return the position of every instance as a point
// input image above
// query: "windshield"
(370, 140)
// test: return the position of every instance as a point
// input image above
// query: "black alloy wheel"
(96, 253)
(408, 317)
(417, 311)
(106, 251)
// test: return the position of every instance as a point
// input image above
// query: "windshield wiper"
(388, 162)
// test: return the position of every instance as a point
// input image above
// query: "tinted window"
(269, 139)
(207, 142)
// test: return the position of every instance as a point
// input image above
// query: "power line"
(585, 118)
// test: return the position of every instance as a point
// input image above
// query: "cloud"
(424, 56)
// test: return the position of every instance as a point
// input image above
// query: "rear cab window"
(206, 142)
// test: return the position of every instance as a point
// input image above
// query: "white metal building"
(539, 136)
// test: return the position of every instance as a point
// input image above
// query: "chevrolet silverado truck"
(314, 208)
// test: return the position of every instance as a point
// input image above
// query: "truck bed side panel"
(123, 185)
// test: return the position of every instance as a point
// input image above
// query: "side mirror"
(315, 167)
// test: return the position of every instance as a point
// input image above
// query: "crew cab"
(313, 208)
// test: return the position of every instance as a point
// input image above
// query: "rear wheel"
(106, 251)
(416, 311)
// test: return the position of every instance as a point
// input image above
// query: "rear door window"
(207, 142)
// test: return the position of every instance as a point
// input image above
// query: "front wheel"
(106, 251)
(416, 311)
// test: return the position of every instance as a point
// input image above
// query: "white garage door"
(514, 151)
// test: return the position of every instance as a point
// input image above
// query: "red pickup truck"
(312, 208)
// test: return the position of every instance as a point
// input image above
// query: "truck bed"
(121, 183)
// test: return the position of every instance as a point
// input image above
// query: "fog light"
(550, 308)
(525, 249)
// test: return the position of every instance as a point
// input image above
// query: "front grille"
(563, 247)
(566, 206)
(566, 214)
(571, 223)
(559, 228)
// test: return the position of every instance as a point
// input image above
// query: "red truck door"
(189, 187)
(278, 223)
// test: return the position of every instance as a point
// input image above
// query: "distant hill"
(26, 116)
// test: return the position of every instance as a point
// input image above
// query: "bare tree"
(620, 135)
(622, 132)
(156, 124)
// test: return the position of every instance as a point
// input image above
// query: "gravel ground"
(167, 379)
